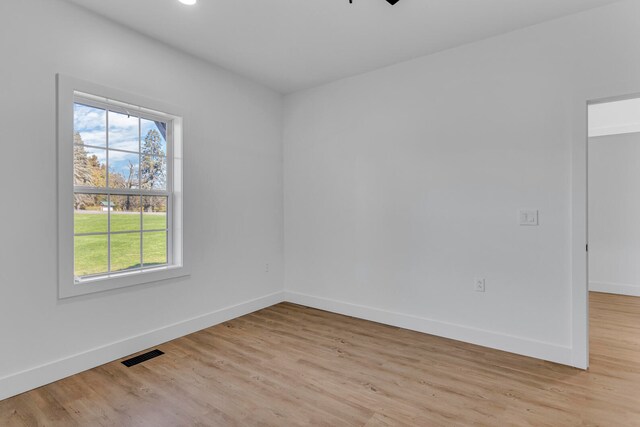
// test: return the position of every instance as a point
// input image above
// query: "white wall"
(614, 212)
(233, 193)
(402, 185)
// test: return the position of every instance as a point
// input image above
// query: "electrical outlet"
(479, 285)
(266, 268)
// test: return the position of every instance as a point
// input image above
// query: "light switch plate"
(528, 217)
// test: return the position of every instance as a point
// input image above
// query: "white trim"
(121, 191)
(513, 344)
(67, 90)
(38, 376)
(124, 107)
(106, 282)
(579, 308)
(615, 288)
(614, 130)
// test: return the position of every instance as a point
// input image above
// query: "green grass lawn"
(91, 251)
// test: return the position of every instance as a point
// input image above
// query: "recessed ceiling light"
(188, 2)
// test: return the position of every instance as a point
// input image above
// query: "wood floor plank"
(292, 365)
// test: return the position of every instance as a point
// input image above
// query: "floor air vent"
(142, 358)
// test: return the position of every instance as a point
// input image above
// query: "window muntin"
(122, 190)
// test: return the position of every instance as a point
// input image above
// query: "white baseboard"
(615, 288)
(38, 376)
(513, 344)
(41, 375)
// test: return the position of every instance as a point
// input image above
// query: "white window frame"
(70, 91)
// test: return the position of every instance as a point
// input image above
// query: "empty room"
(320, 212)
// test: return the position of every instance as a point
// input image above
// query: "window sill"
(121, 280)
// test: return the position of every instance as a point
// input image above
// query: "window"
(122, 189)
(120, 171)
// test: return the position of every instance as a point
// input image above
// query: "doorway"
(613, 169)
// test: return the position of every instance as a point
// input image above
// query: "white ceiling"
(295, 44)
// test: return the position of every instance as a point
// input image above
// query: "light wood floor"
(291, 365)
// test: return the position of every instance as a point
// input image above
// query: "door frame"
(579, 213)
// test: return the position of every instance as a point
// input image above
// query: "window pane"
(154, 216)
(126, 215)
(154, 137)
(124, 132)
(90, 213)
(125, 251)
(89, 125)
(154, 248)
(123, 169)
(89, 166)
(90, 255)
(153, 173)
